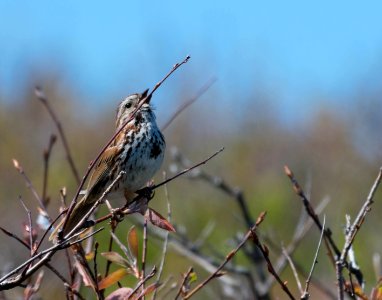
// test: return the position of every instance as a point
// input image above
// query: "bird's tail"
(79, 211)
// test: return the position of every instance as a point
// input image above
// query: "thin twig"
(305, 295)
(141, 282)
(350, 236)
(48, 253)
(45, 255)
(30, 186)
(235, 193)
(300, 232)
(360, 217)
(165, 243)
(110, 248)
(250, 234)
(188, 169)
(46, 156)
(41, 96)
(30, 229)
(139, 197)
(185, 278)
(49, 266)
(264, 250)
(309, 209)
(95, 266)
(189, 102)
(144, 254)
(174, 68)
(96, 204)
(293, 267)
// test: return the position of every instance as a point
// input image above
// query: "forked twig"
(309, 209)
(293, 267)
(141, 282)
(184, 280)
(30, 186)
(351, 234)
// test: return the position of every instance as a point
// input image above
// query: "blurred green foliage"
(332, 151)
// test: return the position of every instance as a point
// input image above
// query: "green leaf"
(116, 258)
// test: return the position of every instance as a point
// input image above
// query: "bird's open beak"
(144, 95)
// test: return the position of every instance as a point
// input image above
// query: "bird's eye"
(128, 105)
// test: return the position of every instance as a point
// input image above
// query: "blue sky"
(291, 48)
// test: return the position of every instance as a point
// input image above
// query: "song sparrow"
(138, 150)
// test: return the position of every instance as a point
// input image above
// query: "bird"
(138, 150)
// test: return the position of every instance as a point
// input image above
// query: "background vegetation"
(334, 150)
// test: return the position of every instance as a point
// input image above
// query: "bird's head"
(127, 107)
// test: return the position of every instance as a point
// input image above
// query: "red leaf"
(158, 220)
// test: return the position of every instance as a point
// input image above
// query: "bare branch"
(41, 96)
(30, 186)
(188, 169)
(350, 236)
(144, 253)
(189, 102)
(141, 282)
(293, 267)
(305, 295)
(185, 278)
(165, 243)
(250, 234)
(46, 155)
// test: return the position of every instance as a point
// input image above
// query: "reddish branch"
(309, 209)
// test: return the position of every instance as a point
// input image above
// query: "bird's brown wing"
(98, 182)
(101, 175)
